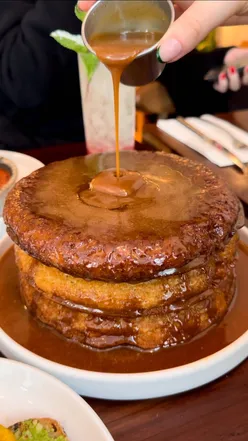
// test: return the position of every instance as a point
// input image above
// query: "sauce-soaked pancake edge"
(16, 322)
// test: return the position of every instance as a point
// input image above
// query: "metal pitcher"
(131, 15)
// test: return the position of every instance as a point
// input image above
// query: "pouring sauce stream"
(116, 51)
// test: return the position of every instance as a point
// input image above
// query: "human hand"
(86, 5)
(194, 21)
(229, 78)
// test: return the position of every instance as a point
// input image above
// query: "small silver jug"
(108, 16)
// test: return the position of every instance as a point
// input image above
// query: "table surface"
(216, 412)
(236, 180)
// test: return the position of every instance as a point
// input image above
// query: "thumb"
(193, 26)
(85, 5)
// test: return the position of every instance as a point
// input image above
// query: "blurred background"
(53, 93)
(190, 95)
(232, 36)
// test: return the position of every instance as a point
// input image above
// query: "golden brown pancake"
(180, 323)
(146, 261)
(125, 299)
(182, 211)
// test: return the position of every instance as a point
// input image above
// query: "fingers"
(234, 79)
(85, 5)
(193, 26)
(235, 55)
(231, 80)
(222, 84)
(180, 7)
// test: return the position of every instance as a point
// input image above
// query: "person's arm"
(30, 60)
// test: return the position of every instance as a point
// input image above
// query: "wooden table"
(236, 180)
(217, 412)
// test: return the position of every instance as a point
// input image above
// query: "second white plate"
(25, 165)
(28, 393)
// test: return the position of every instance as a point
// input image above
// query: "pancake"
(182, 211)
(125, 299)
(146, 261)
(180, 323)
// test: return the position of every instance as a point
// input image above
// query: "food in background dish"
(4, 177)
(147, 265)
(6, 434)
(44, 429)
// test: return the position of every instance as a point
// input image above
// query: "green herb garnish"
(76, 44)
(69, 41)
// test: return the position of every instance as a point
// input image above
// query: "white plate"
(134, 386)
(26, 392)
(25, 165)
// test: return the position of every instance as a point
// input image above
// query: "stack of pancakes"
(149, 269)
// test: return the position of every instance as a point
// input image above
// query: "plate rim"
(23, 155)
(36, 163)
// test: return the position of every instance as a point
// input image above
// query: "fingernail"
(222, 76)
(158, 55)
(169, 50)
(232, 70)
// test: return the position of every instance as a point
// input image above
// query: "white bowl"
(23, 165)
(10, 167)
(26, 392)
(133, 386)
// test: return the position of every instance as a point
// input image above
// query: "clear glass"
(98, 111)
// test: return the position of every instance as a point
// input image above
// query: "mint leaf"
(69, 41)
(75, 43)
(90, 62)
(79, 14)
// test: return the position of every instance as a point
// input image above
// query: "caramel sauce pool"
(22, 328)
(117, 51)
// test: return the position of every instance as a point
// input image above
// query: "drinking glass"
(98, 110)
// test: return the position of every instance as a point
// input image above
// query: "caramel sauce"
(106, 182)
(21, 327)
(148, 192)
(117, 51)
(106, 191)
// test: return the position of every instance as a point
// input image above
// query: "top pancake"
(182, 212)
